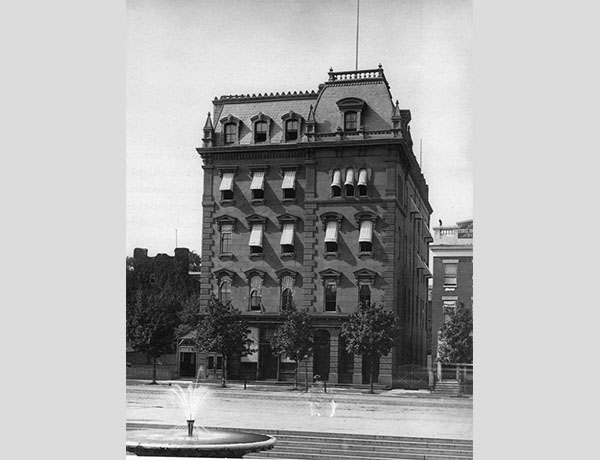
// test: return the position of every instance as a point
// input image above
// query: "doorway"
(187, 364)
(321, 354)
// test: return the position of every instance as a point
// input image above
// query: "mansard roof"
(367, 88)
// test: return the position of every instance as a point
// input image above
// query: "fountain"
(203, 443)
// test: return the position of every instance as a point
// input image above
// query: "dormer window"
(260, 131)
(291, 130)
(350, 120)
(262, 128)
(231, 129)
(230, 133)
(351, 112)
(291, 126)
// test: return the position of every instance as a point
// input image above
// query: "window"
(331, 281)
(287, 279)
(288, 186)
(260, 131)
(287, 239)
(226, 187)
(331, 230)
(362, 182)
(286, 299)
(349, 183)
(256, 239)
(450, 273)
(365, 278)
(230, 131)
(365, 237)
(291, 130)
(448, 307)
(336, 183)
(364, 294)
(225, 291)
(330, 295)
(287, 285)
(350, 120)
(226, 237)
(255, 293)
(257, 186)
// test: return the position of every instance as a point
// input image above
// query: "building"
(150, 273)
(452, 251)
(316, 198)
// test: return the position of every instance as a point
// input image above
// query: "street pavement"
(390, 413)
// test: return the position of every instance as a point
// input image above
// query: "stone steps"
(331, 446)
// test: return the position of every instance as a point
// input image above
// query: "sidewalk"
(284, 390)
(340, 410)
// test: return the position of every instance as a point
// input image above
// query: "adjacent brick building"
(148, 274)
(316, 198)
(452, 251)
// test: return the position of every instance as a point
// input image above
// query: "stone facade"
(336, 168)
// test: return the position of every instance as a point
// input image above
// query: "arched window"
(331, 231)
(350, 119)
(336, 183)
(225, 291)
(365, 236)
(230, 133)
(291, 130)
(255, 299)
(349, 183)
(255, 293)
(362, 182)
(260, 131)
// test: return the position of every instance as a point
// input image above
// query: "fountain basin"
(205, 443)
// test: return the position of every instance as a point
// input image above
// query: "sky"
(181, 54)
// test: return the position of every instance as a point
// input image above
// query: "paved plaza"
(390, 413)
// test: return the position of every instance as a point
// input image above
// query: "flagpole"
(357, 10)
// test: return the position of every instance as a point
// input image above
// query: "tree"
(371, 331)
(195, 261)
(224, 331)
(456, 336)
(151, 323)
(293, 338)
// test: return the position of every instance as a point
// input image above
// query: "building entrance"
(187, 364)
(268, 362)
(345, 363)
(321, 354)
